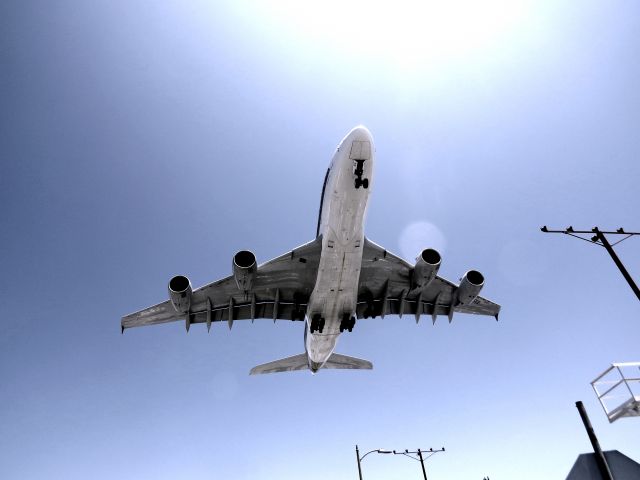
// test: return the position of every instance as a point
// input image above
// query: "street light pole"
(358, 457)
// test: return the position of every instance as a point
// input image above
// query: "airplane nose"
(360, 134)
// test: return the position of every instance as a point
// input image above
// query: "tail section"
(301, 362)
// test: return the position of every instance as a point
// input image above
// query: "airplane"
(339, 277)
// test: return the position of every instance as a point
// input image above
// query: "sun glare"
(403, 33)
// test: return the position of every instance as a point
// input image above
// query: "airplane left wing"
(281, 290)
(385, 288)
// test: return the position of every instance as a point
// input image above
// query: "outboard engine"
(180, 293)
(470, 287)
(426, 269)
(244, 269)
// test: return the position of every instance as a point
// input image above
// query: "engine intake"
(426, 269)
(244, 269)
(470, 287)
(180, 293)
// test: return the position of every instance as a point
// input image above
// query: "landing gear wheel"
(365, 183)
(358, 183)
(315, 324)
(321, 325)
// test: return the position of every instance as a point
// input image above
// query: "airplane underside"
(329, 282)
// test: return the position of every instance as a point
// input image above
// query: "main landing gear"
(317, 324)
(360, 182)
(347, 323)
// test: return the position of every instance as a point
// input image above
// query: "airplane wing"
(385, 288)
(281, 290)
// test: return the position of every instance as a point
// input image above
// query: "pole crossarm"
(601, 240)
(409, 454)
(620, 231)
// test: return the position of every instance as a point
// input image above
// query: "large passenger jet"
(329, 283)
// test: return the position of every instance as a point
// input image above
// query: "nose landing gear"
(359, 171)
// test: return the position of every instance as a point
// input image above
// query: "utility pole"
(600, 239)
(424, 472)
(420, 458)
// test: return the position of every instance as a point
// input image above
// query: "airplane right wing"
(385, 288)
(281, 290)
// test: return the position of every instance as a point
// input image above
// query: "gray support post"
(600, 458)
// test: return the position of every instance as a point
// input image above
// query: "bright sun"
(403, 33)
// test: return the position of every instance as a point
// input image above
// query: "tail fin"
(301, 362)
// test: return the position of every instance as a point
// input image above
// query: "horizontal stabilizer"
(301, 362)
(289, 364)
(344, 362)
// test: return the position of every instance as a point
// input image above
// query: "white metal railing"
(618, 390)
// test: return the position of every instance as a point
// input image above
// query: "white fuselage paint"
(342, 228)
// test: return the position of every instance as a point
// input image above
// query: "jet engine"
(470, 287)
(426, 269)
(244, 269)
(180, 293)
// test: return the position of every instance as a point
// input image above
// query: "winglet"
(496, 315)
(121, 329)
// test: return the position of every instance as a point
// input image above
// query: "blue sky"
(140, 140)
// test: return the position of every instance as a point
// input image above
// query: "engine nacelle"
(470, 287)
(244, 269)
(180, 293)
(426, 269)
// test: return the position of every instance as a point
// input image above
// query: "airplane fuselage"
(332, 304)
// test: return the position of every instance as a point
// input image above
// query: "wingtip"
(121, 329)
(496, 316)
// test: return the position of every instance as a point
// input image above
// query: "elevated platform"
(618, 390)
